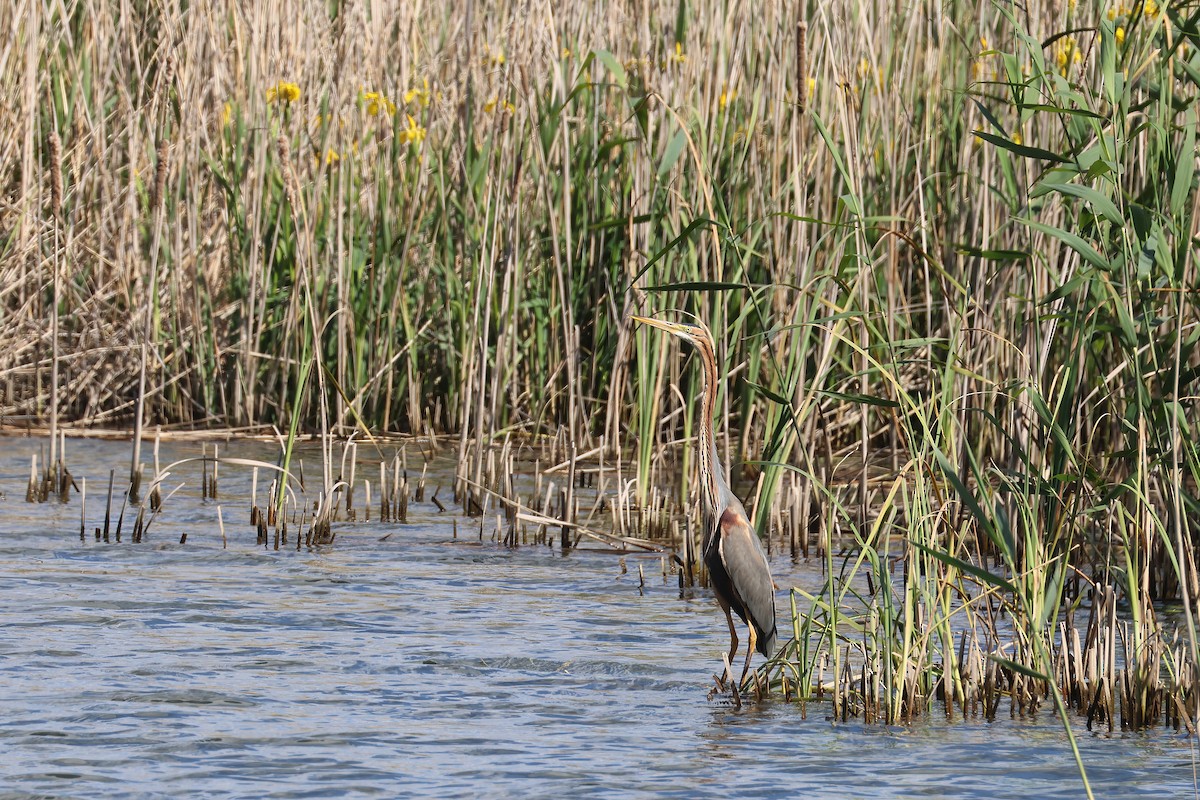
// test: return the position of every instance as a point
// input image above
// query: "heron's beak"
(669, 327)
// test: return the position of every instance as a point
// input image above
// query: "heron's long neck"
(712, 475)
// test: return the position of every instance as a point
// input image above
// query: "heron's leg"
(733, 637)
(749, 653)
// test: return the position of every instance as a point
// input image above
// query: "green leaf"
(1023, 150)
(1028, 672)
(1112, 80)
(1089, 195)
(915, 342)
(614, 66)
(696, 286)
(671, 154)
(820, 321)
(1147, 253)
(851, 203)
(681, 21)
(1052, 597)
(1076, 243)
(620, 222)
(1067, 288)
(1071, 112)
(862, 399)
(987, 114)
(811, 220)
(964, 566)
(991, 255)
(969, 500)
(832, 147)
(770, 394)
(1056, 431)
(1181, 187)
(671, 245)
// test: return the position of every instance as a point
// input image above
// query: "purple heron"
(737, 564)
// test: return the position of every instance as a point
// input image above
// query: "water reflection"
(421, 665)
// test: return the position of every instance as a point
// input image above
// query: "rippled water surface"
(423, 664)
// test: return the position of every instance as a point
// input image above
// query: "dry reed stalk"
(149, 337)
(82, 508)
(54, 154)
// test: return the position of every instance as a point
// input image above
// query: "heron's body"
(749, 593)
(737, 564)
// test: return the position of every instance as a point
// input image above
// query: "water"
(421, 665)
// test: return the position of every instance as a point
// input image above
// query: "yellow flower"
(1112, 14)
(1120, 34)
(1150, 9)
(1066, 53)
(377, 102)
(332, 156)
(283, 92)
(727, 97)
(678, 56)
(494, 105)
(493, 57)
(637, 64)
(227, 113)
(420, 95)
(414, 133)
(1016, 137)
(566, 52)
(812, 86)
(983, 42)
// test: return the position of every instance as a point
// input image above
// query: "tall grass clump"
(1009, 387)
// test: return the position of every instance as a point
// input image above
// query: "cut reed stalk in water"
(384, 506)
(108, 503)
(31, 491)
(121, 517)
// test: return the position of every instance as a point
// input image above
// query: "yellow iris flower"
(283, 92)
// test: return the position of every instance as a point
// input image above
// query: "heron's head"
(693, 334)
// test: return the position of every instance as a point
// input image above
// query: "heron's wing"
(746, 563)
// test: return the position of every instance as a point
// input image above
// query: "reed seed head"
(160, 176)
(285, 164)
(801, 65)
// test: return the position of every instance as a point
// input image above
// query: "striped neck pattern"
(712, 479)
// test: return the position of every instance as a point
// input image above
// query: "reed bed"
(949, 251)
